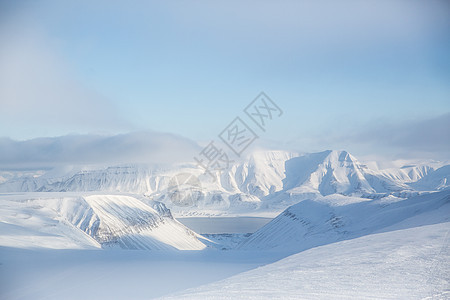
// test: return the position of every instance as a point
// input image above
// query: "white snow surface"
(403, 264)
(341, 230)
(312, 223)
(65, 221)
(380, 249)
(267, 181)
(410, 260)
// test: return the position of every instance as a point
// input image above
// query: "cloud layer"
(138, 147)
(39, 90)
(421, 138)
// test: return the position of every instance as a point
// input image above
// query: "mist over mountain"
(136, 147)
(267, 180)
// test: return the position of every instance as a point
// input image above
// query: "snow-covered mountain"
(367, 229)
(312, 223)
(266, 180)
(335, 172)
(68, 220)
(436, 180)
(409, 260)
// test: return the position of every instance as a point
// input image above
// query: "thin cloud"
(416, 138)
(39, 92)
(137, 147)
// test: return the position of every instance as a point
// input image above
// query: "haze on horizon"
(368, 77)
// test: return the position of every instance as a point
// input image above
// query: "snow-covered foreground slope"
(408, 261)
(25, 223)
(48, 274)
(351, 231)
(311, 223)
(335, 247)
(66, 221)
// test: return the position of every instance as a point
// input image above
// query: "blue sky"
(189, 68)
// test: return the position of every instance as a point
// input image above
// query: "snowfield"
(279, 225)
(119, 274)
(62, 221)
(312, 223)
(382, 249)
(411, 263)
(401, 251)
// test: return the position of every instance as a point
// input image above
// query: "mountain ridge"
(249, 185)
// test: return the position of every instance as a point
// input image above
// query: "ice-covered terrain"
(65, 221)
(341, 229)
(348, 249)
(120, 274)
(312, 223)
(410, 260)
(267, 181)
(397, 249)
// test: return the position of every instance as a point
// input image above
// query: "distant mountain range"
(268, 180)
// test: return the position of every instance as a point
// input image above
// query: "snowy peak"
(261, 180)
(262, 174)
(434, 180)
(327, 172)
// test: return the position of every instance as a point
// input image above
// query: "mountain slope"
(311, 223)
(94, 220)
(335, 172)
(408, 261)
(267, 180)
(435, 180)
